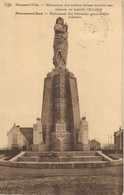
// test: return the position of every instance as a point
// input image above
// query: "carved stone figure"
(60, 45)
(83, 133)
(37, 132)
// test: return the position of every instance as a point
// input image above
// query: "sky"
(94, 56)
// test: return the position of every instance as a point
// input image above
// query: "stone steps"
(60, 159)
(62, 165)
(62, 154)
(63, 160)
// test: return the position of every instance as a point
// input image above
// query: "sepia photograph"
(61, 80)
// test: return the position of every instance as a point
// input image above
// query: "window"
(14, 140)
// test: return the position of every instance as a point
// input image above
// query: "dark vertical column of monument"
(60, 135)
(73, 109)
(60, 99)
(47, 111)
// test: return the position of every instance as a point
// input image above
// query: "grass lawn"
(100, 181)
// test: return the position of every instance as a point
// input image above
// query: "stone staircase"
(60, 160)
(59, 157)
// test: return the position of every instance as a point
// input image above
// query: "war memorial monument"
(62, 128)
(60, 137)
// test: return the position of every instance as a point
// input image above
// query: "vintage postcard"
(61, 97)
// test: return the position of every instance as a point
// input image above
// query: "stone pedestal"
(62, 143)
(37, 135)
(83, 134)
(60, 111)
(86, 147)
(37, 132)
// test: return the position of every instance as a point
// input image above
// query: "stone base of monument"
(40, 147)
(61, 160)
(61, 143)
(86, 147)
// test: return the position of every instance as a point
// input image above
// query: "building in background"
(20, 137)
(95, 145)
(118, 139)
(25, 138)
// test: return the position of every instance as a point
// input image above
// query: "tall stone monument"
(60, 115)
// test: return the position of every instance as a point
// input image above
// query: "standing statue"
(60, 45)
